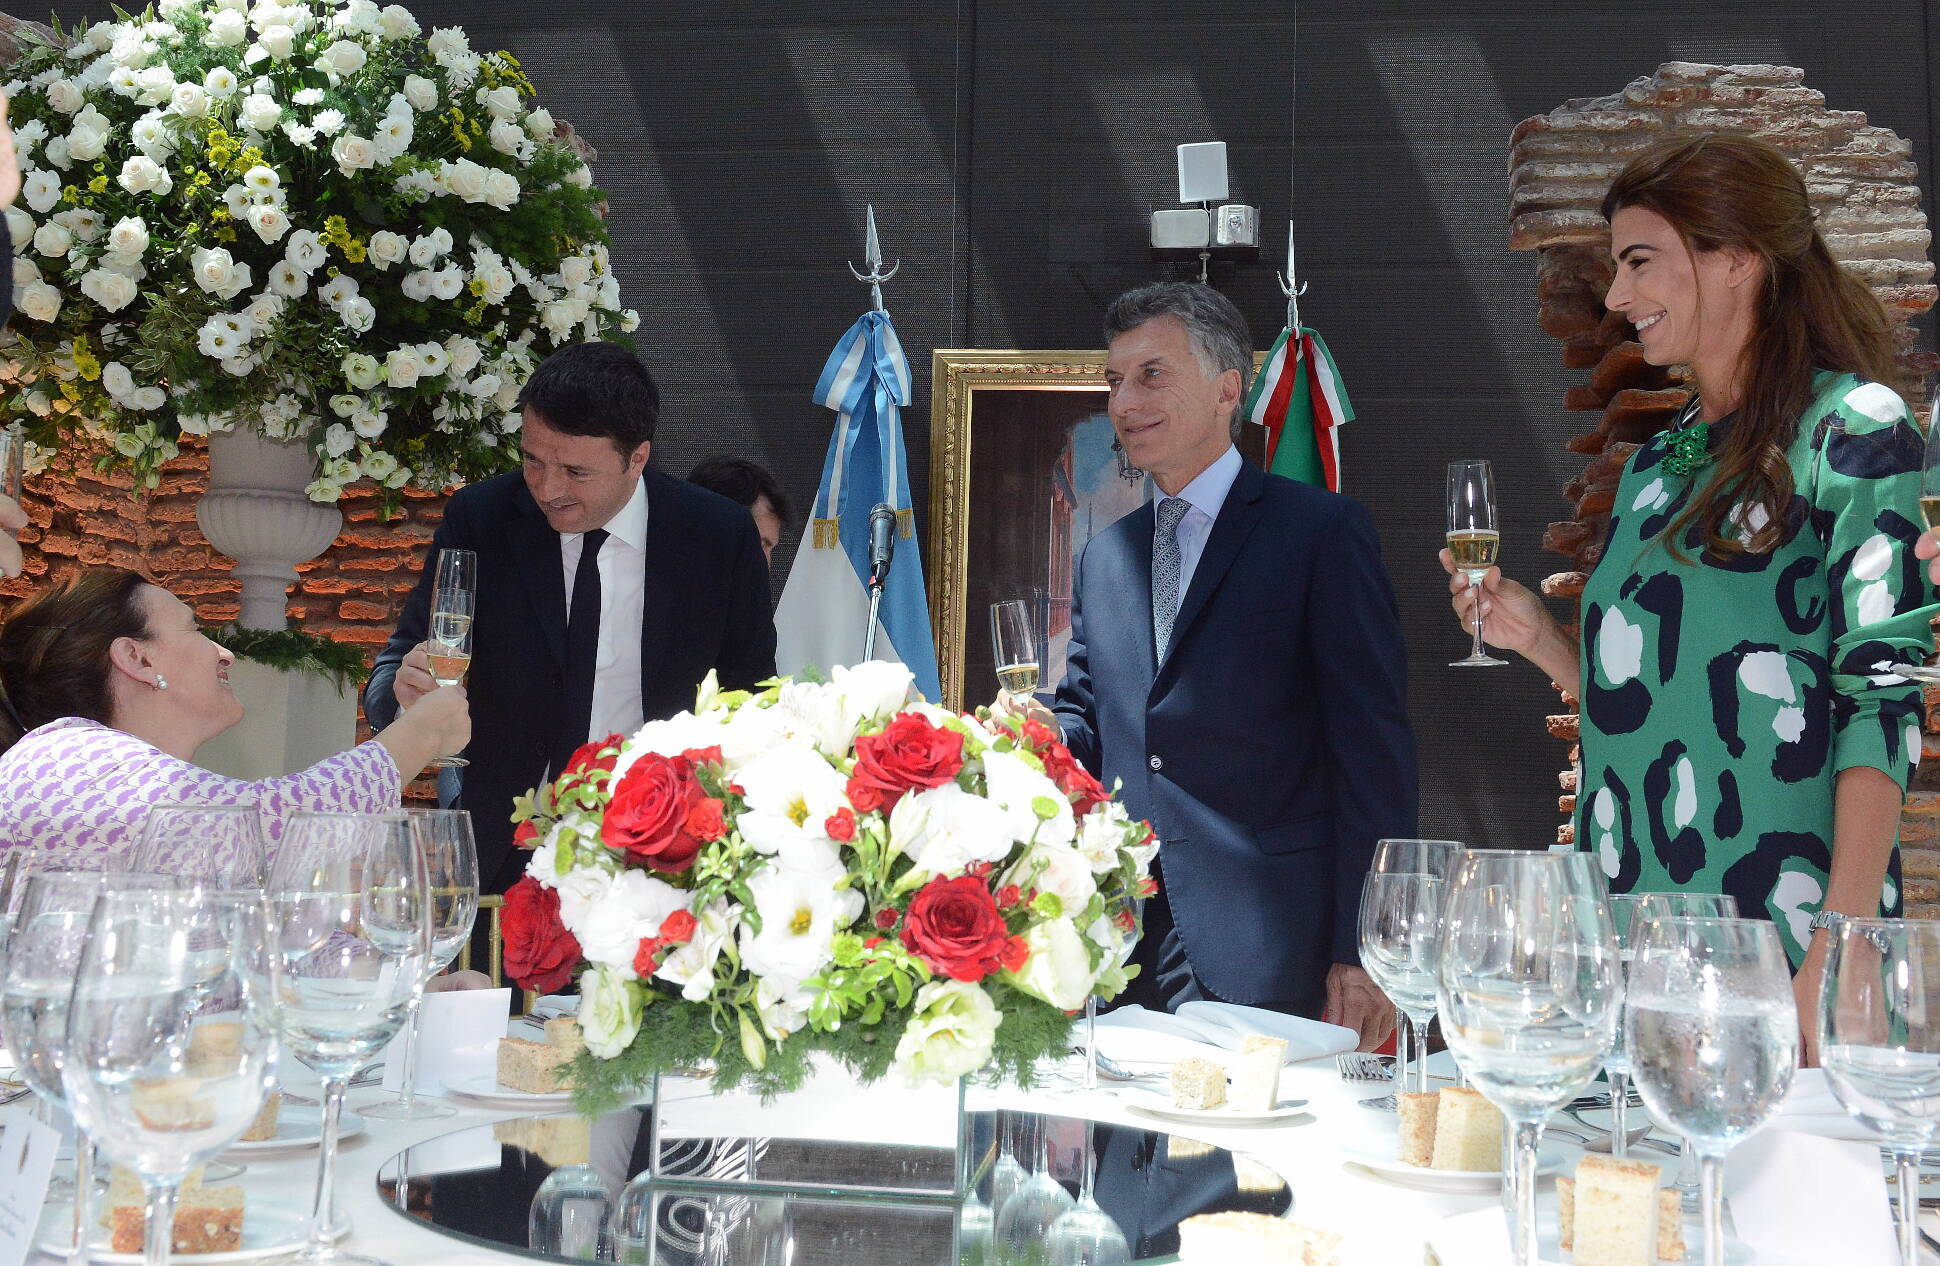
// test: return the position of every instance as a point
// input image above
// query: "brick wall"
(1863, 184)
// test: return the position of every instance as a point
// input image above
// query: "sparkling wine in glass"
(353, 940)
(1879, 1041)
(454, 597)
(1401, 929)
(13, 461)
(1527, 994)
(1016, 647)
(171, 1041)
(1713, 1036)
(1474, 536)
(451, 870)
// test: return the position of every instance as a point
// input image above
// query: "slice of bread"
(1670, 1220)
(1417, 1114)
(1256, 1073)
(537, 1068)
(1468, 1132)
(263, 1128)
(1614, 1211)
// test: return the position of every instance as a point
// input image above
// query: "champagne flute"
(454, 597)
(170, 1039)
(1713, 1034)
(353, 939)
(451, 870)
(1473, 539)
(1930, 512)
(218, 845)
(1879, 1041)
(1401, 928)
(1016, 647)
(13, 461)
(1421, 857)
(1528, 994)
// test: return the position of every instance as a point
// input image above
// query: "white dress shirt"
(623, 592)
(1204, 496)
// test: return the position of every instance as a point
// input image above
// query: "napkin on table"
(1226, 1024)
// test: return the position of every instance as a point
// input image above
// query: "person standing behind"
(744, 483)
(606, 592)
(1236, 662)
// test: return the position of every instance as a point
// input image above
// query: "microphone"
(882, 543)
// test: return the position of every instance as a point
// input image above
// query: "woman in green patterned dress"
(1739, 732)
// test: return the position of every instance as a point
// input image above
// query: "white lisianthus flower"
(1100, 835)
(220, 83)
(484, 387)
(353, 153)
(420, 92)
(278, 41)
(416, 286)
(690, 967)
(112, 290)
(224, 335)
(952, 1028)
(790, 791)
(338, 289)
(1058, 869)
(431, 247)
(41, 190)
(343, 404)
(288, 280)
(25, 271)
(338, 439)
(65, 95)
(345, 57)
(369, 425)
(1021, 792)
(53, 239)
(261, 112)
(40, 301)
(945, 829)
(447, 283)
(610, 1006)
(401, 367)
(1057, 968)
(434, 359)
(269, 222)
(801, 911)
(147, 398)
(218, 273)
(397, 23)
(462, 353)
(610, 931)
(129, 236)
(540, 126)
(261, 179)
(190, 101)
(386, 248)
(358, 314)
(362, 371)
(378, 464)
(496, 280)
(227, 29)
(305, 250)
(117, 380)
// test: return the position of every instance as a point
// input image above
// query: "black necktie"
(582, 648)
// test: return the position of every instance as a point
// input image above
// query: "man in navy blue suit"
(1236, 663)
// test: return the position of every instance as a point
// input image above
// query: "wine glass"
(1086, 1235)
(1120, 915)
(1473, 539)
(1879, 1041)
(1025, 1218)
(1528, 993)
(1016, 647)
(571, 1214)
(353, 938)
(1401, 927)
(171, 1041)
(219, 845)
(1422, 857)
(454, 596)
(451, 870)
(1713, 1034)
(1007, 1176)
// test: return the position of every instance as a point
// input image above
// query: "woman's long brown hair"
(54, 649)
(1724, 192)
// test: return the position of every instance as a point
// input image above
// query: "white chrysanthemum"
(790, 791)
(1020, 791)
(945, 829)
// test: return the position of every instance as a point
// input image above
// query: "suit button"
(1156, 764)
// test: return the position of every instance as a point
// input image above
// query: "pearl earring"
(161, 682)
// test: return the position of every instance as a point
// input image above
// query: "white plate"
(1161, 1105)
(484, 1088)
(271, 1228)
(1483, 1236)
(299, 1126)
(1384, 1159)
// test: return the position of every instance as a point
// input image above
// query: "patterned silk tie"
(1165, 571)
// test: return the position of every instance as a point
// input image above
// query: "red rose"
(704, 820)
(703, 755)
(678, 927)
(865, 798)
(598, 754)
(953, 925)
(527, 835)
(1039, 734)
(1015, 952)
(1009, 895)
(886, 918)
(1073, 779)
(1148, 887)
(840, 825)
(647, 818)
(540, 953)
(910, 754)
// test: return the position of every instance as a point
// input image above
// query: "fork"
(1363, 1066)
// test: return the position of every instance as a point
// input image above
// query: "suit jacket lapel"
(1230, 530)
(667, 557)
(1140, 585)
(537, 547)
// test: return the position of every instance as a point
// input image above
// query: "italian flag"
(1300, 400)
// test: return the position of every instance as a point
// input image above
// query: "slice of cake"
(1670, 1220)
(1198, 1083)
(1226, 1239)
(1468, 1132)
(540, 1068)
(1610, 1214)
(1256, 1073)
(263, 1128)
(207, 1219)
(1417, 1113)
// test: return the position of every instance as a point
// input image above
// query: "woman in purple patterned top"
(115, 687)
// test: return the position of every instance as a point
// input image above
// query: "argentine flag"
(824, 611)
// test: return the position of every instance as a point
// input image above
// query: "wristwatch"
(1824, 919)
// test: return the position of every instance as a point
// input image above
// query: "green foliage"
(292, 650)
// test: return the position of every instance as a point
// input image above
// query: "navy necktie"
(582, 645)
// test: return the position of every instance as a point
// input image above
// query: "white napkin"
(1227, 1024)
(1811, 1198)
(1810, 1107)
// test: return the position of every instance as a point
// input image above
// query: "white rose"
(353, 152)
(260, 112)
(463, 354)
(56, 153)
(86, 143)
(362, 371)
(25, 271)
(305, 250)
(214, 270)
(227, 29)
(116, 378)
(278, 41)
(945, 829)
(65, 95)
(401, 367)
(40, 301)
(465, 179)
(154, 85)
(129, 236)
(220, 83)
(951, 1030)
(53, 239)
(368, 425)
(416, 286)
(425, 251)
(609, 1011)
(190, 101)
(580, 176)
(112, 290)
(1057, 968)
(269, 222)
(501, 189)
(41, 190)
(575, 270)
(506, 136)
(503, 103)
(148, 398)
(1056, 869)
(610, 932)
(264, 309)
(420, 92)
(142, 174)
(540, 124)
(343, 404)
(448, 283)
(386, 248)
(396, 23)
(345, 57)
(508, 399)
(483, 387)
(358, 314)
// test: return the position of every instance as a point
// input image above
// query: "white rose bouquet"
(824, 867)
(305, 218)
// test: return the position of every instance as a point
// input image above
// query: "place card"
(27, 1151)
(458, 1033)
(1801, 1197)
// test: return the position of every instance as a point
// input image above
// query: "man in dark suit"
(1236, 662)
(606, 592)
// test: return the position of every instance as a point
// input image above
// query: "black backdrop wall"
(1013, 151)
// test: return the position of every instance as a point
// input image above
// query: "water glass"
(1421, 857)
(171, 1042)
(1027, 1216)
(1713, 1035)
(1528, 994)
(1401, 927)
(1086, 1235)
(353, 916)
(220, 845)
(1879, 1041)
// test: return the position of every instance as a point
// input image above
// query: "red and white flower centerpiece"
(824, 871)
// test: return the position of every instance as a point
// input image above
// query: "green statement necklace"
(1689, 447)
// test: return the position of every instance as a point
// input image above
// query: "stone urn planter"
(256, 513)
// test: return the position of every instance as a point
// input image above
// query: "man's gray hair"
(1220, 339)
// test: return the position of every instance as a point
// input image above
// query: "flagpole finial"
(872, 256)
(1289, 286)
